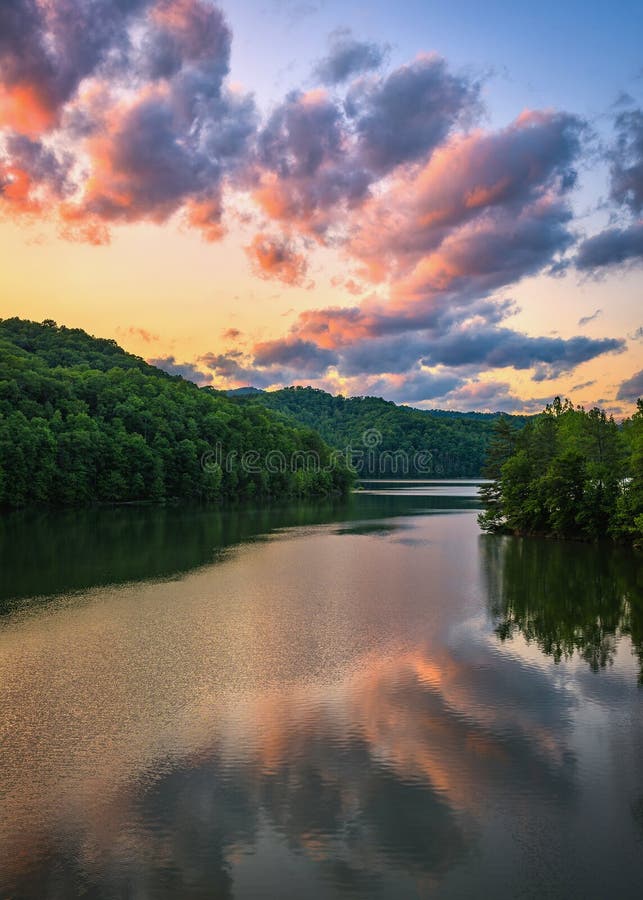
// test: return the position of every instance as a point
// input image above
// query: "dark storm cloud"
(631, 388)
(348, 57)
(611, 247)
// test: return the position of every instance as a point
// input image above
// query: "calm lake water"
(369, 699)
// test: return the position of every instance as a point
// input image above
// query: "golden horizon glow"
(366, 234)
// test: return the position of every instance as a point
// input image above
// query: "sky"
(436, 203)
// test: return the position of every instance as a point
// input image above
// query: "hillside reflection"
(51, 552)
(567, 598)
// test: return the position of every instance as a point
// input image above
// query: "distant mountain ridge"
(456, 441)
(243, 391)
(250, 390)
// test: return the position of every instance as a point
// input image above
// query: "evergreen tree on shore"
(569, 473)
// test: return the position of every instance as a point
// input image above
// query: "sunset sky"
(437, 203)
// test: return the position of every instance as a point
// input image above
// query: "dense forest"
(83, 421)
(568, 473)
(425, 442)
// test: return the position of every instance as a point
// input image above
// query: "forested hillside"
(83, 421)
(456, 442)
(569, 473)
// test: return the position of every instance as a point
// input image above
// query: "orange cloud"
(147, 336)
(76, 227)
(25, 109)
(230, 334)
(205, 215)
(467, 178)
(32, 177)
(17, 190)
(273, 257)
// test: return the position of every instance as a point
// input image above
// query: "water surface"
(362, 700)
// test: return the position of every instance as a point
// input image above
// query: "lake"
(364, 699)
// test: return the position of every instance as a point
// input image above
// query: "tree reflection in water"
(567, 598)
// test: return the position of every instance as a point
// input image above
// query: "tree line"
(568, 473)
(449, 444)
(82, 421)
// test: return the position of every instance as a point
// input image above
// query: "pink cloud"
(275, 257)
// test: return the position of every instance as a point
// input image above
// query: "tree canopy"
(568, 473)
(451, 444)
(83, 421)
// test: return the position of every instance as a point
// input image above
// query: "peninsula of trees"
(568, 473)
(82, 421)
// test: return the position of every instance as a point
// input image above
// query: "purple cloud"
(156, 128)
(186, 370)
(585, 320)
(303, 357)
(404, 116)
(627, 161)
(611, 247)
(631, 388)
(348, 57)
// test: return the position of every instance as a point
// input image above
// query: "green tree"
(569, 473)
